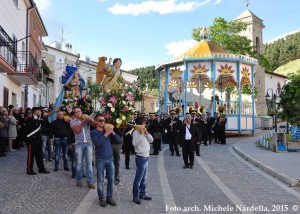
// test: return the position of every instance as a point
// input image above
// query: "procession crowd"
(90, 143)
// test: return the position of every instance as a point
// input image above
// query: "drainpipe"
(26, 58)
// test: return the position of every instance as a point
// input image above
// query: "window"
(34, 100)
(257, 44)
(16, 2)
(5, 97)
(33, 24)
(23, 52)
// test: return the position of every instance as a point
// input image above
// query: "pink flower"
(102, 101)
(125, 109)
(113, 100)
(107, 115)
(129, 97)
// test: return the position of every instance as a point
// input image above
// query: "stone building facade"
(255, 34)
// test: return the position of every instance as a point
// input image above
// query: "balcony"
(14, 63)
(8, 58)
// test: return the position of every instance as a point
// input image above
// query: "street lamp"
(273, 100)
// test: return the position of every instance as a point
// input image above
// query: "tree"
(289, 100)
(146, 75)
(226, 34)
(95, 91)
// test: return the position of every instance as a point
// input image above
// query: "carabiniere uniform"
(34, 144)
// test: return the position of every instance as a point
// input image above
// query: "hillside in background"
(282, 51)
(290, 67)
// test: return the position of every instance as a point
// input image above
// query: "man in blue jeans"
(104, 158)
(141, 140)
(62, 132)
(83, 147)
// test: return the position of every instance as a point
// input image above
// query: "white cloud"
(217, 2)
(179, 47)
(161, 7)
(43, 5)
(132, 65)
(282, 36)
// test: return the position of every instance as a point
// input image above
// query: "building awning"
(23, 78)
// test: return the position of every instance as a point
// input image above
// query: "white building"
(274, 83)
(20, 61)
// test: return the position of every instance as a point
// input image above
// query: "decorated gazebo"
(208, 77)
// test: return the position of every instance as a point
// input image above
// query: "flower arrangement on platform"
(117, 106)
(71, 101)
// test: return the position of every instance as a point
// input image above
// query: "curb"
(278, 175)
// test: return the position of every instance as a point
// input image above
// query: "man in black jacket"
(129, 149)
(197, 122)
(34, 142)
(173, 125)
(62, 133)
(189, 136)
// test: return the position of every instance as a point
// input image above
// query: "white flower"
(130, 93)
(109, 105)
(124, 102)
(112, 109)
(123, 117)
(130, 108)
(118, 121)
(122, 95)
(130, 103)
(108, 90)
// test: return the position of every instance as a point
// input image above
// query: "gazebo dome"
(203, 48)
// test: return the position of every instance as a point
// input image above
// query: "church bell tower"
(255, 35)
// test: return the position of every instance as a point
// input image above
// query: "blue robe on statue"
(70, 72)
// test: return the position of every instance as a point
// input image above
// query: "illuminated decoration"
(199, 69)
(176, 72)
(245, 71)
(226, 69)
(231, 83)
(173, 83)
(209, 84)
(191, 84)
(245, 76)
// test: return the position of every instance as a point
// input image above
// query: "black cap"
(157, 114)
(193, 112)
(145, 116)
(151, 113)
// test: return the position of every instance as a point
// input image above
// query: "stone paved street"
(220, 178)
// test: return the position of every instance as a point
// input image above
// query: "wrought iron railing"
(17, 59)
(31, 67)
(8, 49)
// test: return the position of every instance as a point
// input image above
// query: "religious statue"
(109, 76)
(74, 84)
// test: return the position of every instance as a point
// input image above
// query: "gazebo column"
(159, 95)
(238, 73)
(213, 78)
(166, 88)
(253, 115)
(185, 80)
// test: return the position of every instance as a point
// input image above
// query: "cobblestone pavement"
(220, 179)
(238, 182)
(42, 193)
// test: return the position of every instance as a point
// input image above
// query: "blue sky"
(146, 32)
